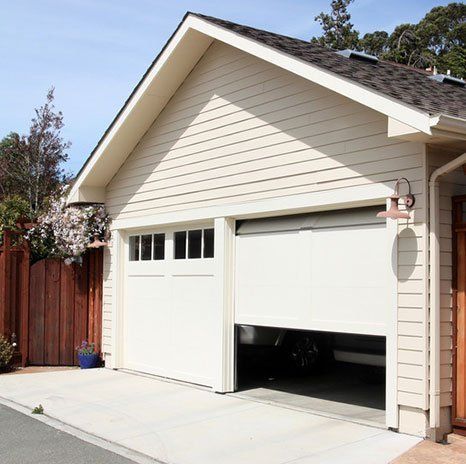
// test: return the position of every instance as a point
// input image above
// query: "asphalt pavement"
(25, 440)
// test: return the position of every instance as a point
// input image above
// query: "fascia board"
(145, 92)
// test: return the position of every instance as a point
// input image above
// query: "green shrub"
(6, 352)
(38, 410)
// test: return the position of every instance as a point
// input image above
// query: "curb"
(113, 447)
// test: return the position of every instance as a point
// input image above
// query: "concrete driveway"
(181, 424)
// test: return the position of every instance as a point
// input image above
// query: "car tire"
(304, 352)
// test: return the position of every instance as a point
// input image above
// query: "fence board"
(81, 289)
(37, 314)
(52, 312)
(67, 315)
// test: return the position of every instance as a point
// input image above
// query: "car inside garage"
(312, 311)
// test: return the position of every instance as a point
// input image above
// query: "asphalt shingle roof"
(406, 84)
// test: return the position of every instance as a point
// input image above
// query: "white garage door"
(169, 304)
(325, 271)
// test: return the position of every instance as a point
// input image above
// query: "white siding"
(240, 130)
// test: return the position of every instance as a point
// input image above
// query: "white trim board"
(361, 195)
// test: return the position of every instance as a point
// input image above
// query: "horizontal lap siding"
(240, 130)
(107, 301)
(412, 302)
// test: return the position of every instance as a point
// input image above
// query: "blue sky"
(95, 51)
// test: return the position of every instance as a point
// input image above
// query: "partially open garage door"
(169, 325)
(324, 271)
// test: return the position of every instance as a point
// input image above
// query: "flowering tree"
(66, 231)
(31, 165)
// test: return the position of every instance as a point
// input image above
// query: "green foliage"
(437, 40)
(6, 352)
(38, 410)
(12, 209)
(338, 31)
(374, 43)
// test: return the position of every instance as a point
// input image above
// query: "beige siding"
(107, 302)
(241, 130)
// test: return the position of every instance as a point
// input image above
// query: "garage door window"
(146, 247)
(159, 247)
(180, 245)
(194, 244)
(134, 248)
(208, 243)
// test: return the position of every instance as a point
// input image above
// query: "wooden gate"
(459, 315)
(65, 308)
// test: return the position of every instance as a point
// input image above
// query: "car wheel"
(305, 354)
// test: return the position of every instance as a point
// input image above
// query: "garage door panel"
(272, 285)
(142, 318)
(349, 275)
(192, 323)
(328, 275)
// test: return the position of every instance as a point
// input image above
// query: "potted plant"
(87, 355)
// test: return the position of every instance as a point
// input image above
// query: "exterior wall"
(241, 130)
(450, 185)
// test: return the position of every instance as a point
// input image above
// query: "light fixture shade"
(394, 212)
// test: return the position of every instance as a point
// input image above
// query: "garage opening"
(315, 289)
(332, 373)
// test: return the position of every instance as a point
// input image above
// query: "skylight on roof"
(446, 79)
(354, 54)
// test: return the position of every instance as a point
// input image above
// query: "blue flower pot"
(88, 361)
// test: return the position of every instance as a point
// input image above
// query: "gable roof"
(403, 101)
(408, 85)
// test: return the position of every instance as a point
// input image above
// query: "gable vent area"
(355, 55)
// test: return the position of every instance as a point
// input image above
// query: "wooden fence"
(49, 307)
(14, 292)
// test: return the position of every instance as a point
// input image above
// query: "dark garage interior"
(341, 375)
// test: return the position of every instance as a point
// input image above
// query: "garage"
(312, 310)
(169, 310)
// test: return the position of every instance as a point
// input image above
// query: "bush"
(6, 352)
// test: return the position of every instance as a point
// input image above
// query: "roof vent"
(447, 79)
(358, 56)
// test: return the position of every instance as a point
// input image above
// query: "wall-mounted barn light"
(394, 212)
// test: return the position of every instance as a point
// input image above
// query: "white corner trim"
(391, 386)
(224, 379)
